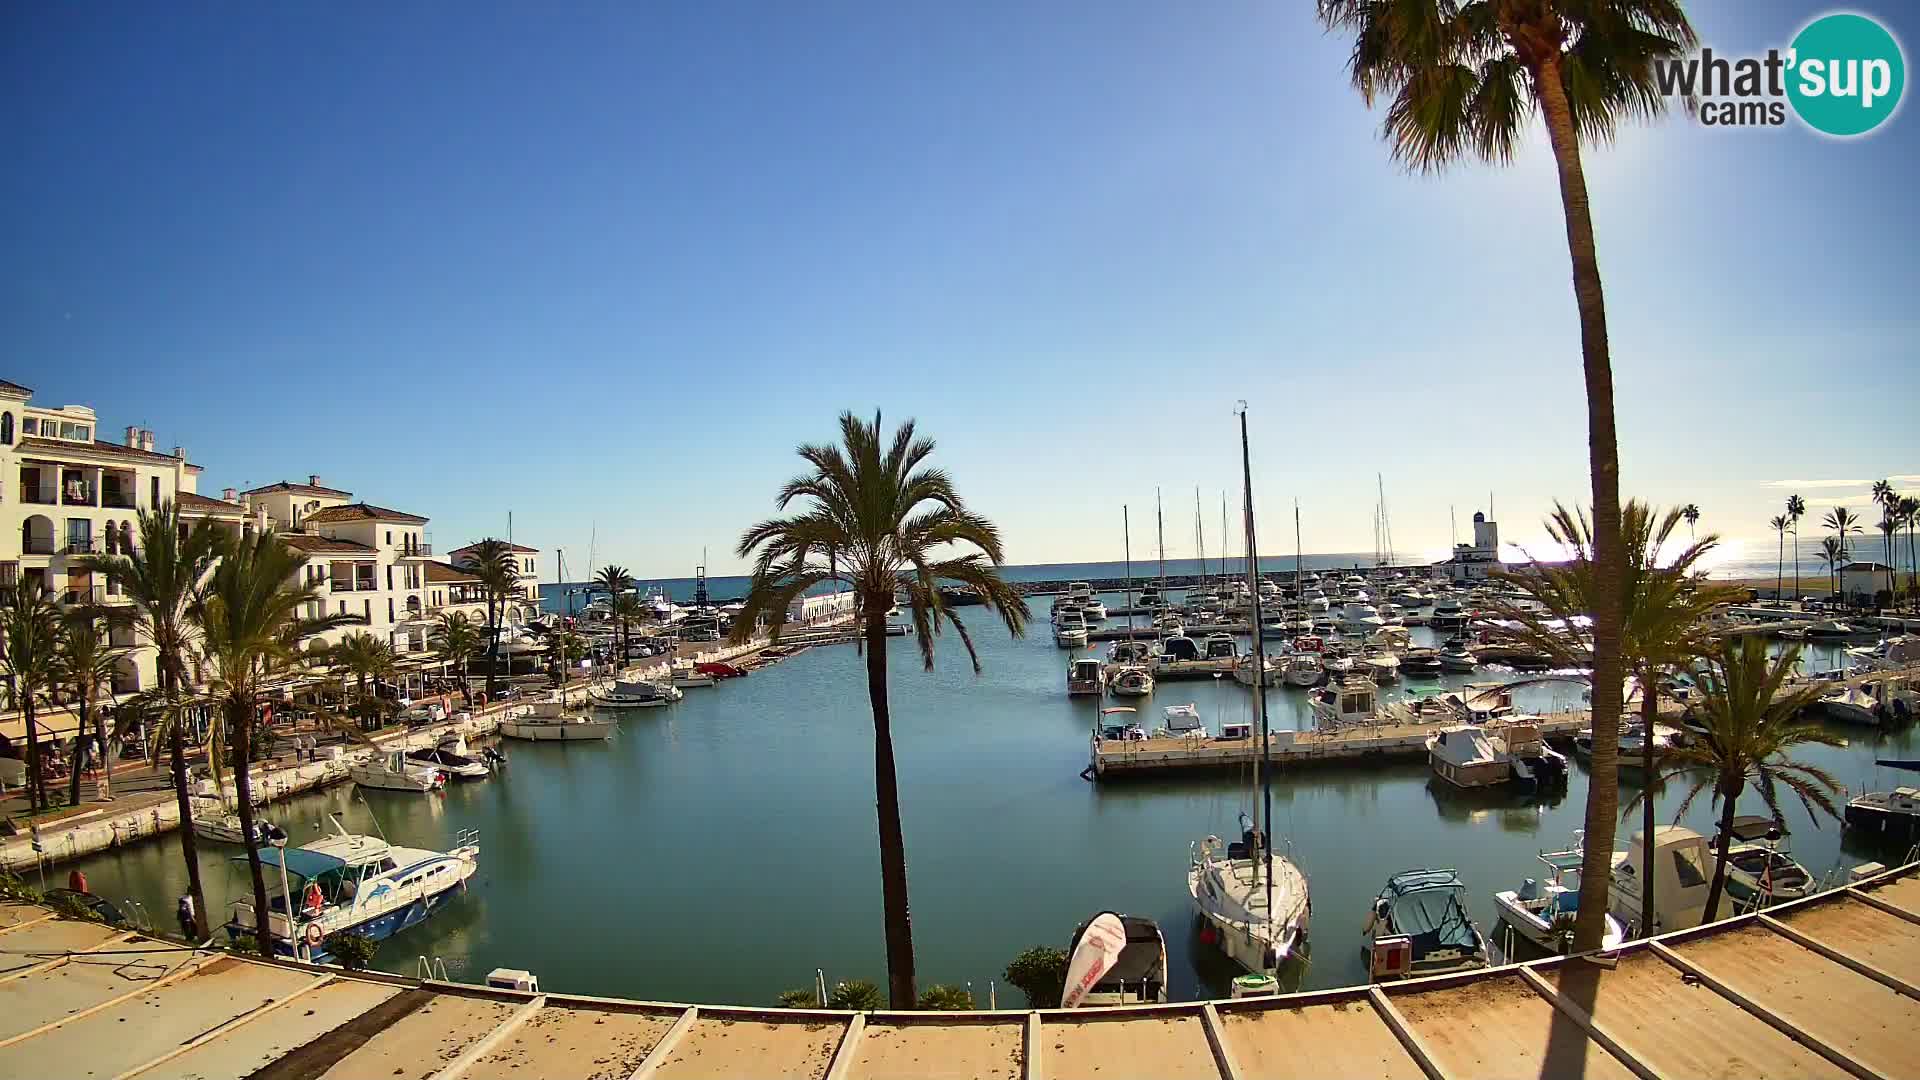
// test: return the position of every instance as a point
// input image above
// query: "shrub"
(857, 994)
(944, 998)
(353, 951)
(1041, 974)
(798, 999)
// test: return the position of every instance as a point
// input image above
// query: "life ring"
(315, 935)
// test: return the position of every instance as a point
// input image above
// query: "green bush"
(1041, 974)
(798, 999)
(353, 951)
(944, 998)
(857, 994)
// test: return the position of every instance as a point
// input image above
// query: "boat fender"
(315, 935)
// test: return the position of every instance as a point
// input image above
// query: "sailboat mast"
(1223, 539)
(1263, 775)
(1299, 574)
(1160, 529)
(1126, 538)
(1199, 536)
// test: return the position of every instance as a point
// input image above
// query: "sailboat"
(1252, 901)
(1133, 677)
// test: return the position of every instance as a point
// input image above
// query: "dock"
(1827, 986)
(1114, 759)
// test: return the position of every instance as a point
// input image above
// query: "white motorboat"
(1086, 675)
(1542, 911)
(1093, 610)
(684, 674)
(1116, 959)
(1129, 652)
(1419, 925)
(1458, 659)
(457, 766)
(1359, 617)
(636, 694)
(214, 820)
(1131, 680)
(1898, 651)
(1272, 674)
(1350, 703)
(1830, 629)
(1684, 876)
(1070, 629)
(1303, 669)
(1382, 666)
(552, 721)
(1231, 884)
(1759, 870)
(1633, 752)
(1847, 705)
(348, 882)
(1511, 751)
(392, 771)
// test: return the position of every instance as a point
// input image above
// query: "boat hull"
(585, 731)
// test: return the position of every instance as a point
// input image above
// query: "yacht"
(1847, 705)
(1231, 888)
(1221, 647)
(348, 882)
(1759, 870)
(1894, 815)
(1086, 675)
(1447, 615)
(1070, 630)
(1093, 610)
(1175, 650)
(1893, 652)
(1116, 959)
(1457, 657)
(1543, 910)
(1128, 651)
(636, 694)
(457, 765)
(1303, 669)
(1184, 720)
(1131, 680)
(1382, 666)
(1419, 925)
(553, 721)
(1360, 617)
(1633, 752)
(1472, 756)
(1350, 703)
(1422, 664)
(392, 771)
(214, 820)
(1150, 597)
(1679, 889)
(1830, 629)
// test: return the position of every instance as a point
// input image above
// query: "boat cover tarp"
(299, 861)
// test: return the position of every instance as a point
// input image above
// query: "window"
(389, 536)
(6, 428)
(389, 573)
(389, 609)
(366, 610)
(343, 607)
(29, 426)
(153, 500)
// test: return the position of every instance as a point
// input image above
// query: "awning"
(301, 861)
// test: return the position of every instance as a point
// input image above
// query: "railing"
(37, 545)
(418, 548)
(84, 594)
(41, 497)
(81, 496)
(117, 500)
(367, 585)
(82, 545)
(342, 586)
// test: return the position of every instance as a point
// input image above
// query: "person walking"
(185, 911)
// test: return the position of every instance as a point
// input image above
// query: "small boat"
(1759, 870)
(1457, 658)
(214, 820)
(1116, 959)
(1847, 705)
(1421, 664)
(1220, 647)
(635, 694)
(721, 670)
(1117, 724)
(1543, 911)
(1633, 752)
(1830, 629)
(1131, 680)
(348, 882)
(1229, 887)
(392, 771)
(1271, 674)
(1894, 814)
(1360, 617)
(1184, 719)
(458, 766)
(1382, 666)
(1086, 675)
(1093, 610)
(685, 675)
(1129, 652)
(1303, 669)
(552, 721)
(1070, 630)
(1419, 925)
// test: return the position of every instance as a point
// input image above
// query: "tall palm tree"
(160, 576)
(1465, 79)
(498, 568)
(251, 626)
(1910, 513)
(456, 636)
(1843, 523)
(1692, 513)
(1834, 554)
(893, 525)
(1889, 526)
(1752, 721)
(1666, 623)
(84, 668)
(1779, 524)
(629, 610)
(366, 658)
(615, 581)
(1796, 509)
(29, 640)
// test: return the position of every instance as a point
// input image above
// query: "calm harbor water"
(721, 849)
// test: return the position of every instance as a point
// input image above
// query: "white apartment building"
(66, 494)
(369, 561)
(528, 560)
(452, 590)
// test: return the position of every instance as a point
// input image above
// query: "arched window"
(126, 537)
(6, 429)
(113, 539)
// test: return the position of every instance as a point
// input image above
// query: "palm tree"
(1910, 513)
(1751, 722)
(160, 577)
(629, 610)
(498, 568)
(1843, 523)
(364, 657)
(29, 639)
(889, 522)
(1889, 526)
(84, 668)
(1692, 513)
(457, 637)
(251, 625)
(1465, 79)
(1796, 509)
(615, 581)
(1665, 628)
(1779, 524)
(1834, 554)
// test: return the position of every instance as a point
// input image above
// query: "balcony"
(37, 496)
(37, 545)
(342, 586)
(118, 500)
(82, 545)
(79, 495)
(418, 549)
(83, 594)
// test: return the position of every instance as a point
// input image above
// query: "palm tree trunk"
(79, 740)
(240, 715)
(886, 789)
(1720, 845)
(1780, 567)
(493, 650)
(106, 757)
(189, 848)
(36, 779)
(1649, 711)
(1796, 563)
(1603, 454)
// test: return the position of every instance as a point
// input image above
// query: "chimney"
(180, 452)
(313, 479)
(133, 437)
(146, 440)
(231, 495)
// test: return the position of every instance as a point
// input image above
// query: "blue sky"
(604, 265)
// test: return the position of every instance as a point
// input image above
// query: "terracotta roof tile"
(98, 446)
(192, 503)
(14, 386)
(510, 547)
(320, 545)
(299, 489)
(440, 573)
(360, 512)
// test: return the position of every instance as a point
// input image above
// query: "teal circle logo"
(1847, 73)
